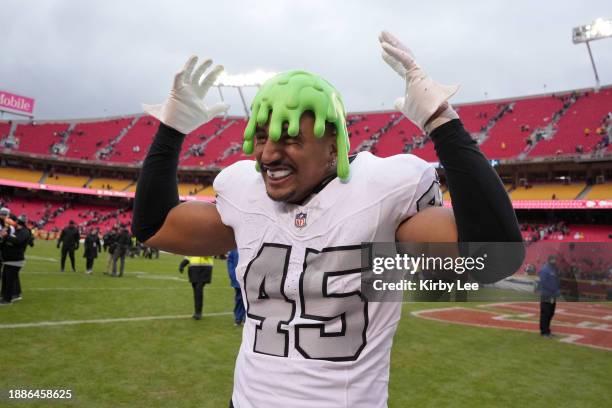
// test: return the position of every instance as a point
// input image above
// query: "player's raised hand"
(185, 110)
(424, 101)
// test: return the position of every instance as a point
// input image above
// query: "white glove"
(424, 102)
(184, 110)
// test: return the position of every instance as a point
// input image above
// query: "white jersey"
(309, 340)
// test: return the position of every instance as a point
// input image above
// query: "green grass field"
(179, 362)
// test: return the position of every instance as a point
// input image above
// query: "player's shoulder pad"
(238, 181)
(397, 171)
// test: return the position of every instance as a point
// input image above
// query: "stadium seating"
(109, 184)
(546, 192)
(30, 176)
(394, 140)
(134, 144)
(446, 194)
(202, 134)
(207, 191)
(576, 233)
(34, 209)
(5, 128)
(55, 215)
(476, 116)
(69, 180)
(506, 140)
(586, 113)
(131, 188)
(38, 138)
(90, 216)
(86, 138)
(600, 192)
(189, 188)
(232, 135)
(589, 233)
(364, 126)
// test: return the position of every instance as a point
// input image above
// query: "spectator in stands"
(109, 239)
(69, 241)
(200, 273)
(15, 240)
(232, 263)
(549, 287)
(122, 246)
(92, 247)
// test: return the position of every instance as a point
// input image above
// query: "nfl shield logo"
(300, 220)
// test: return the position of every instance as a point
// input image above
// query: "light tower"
(239, 81)
(597, 30)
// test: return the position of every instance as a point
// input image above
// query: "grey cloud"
(97, 58)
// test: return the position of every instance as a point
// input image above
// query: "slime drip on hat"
(288, 95)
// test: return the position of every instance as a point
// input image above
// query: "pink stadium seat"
(139, 135)
(87, 138)
(201, 134)
(534, 112)
(475, 116)
(370, 121)
(587, 112)
(392, 142)
(232, 135)
(39, 138)
(5, 128)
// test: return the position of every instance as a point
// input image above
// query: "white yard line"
(120, 288)
(102, 321)
(124, 288)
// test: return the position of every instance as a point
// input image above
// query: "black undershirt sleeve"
(482, 208)
(157, 190)
(481, 205)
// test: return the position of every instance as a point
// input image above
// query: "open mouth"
(278, 175)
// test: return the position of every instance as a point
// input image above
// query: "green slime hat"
(288, 95)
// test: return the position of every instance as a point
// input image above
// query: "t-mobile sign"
(16, 103)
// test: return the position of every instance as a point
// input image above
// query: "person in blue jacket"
(232, 262)
(549, 292)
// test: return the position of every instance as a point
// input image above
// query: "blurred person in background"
(92, 247)
(109, 245)
(15, 240)
(232, 262)
(200, 273)
(69, 241)
(122, 246)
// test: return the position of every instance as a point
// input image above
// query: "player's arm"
(482, 211)
(433, 224)
(159, 220)
(481, 206)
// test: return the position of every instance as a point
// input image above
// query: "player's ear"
(333, 154)
(330, 133)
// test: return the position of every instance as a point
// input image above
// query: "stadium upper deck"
(575, 123)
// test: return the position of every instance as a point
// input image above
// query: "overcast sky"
(82, 59)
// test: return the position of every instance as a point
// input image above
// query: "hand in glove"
(425, 101)
(183, 264)
(184, 110)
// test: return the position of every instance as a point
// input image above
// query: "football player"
(298, 214)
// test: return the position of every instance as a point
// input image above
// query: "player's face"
(293, 166)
